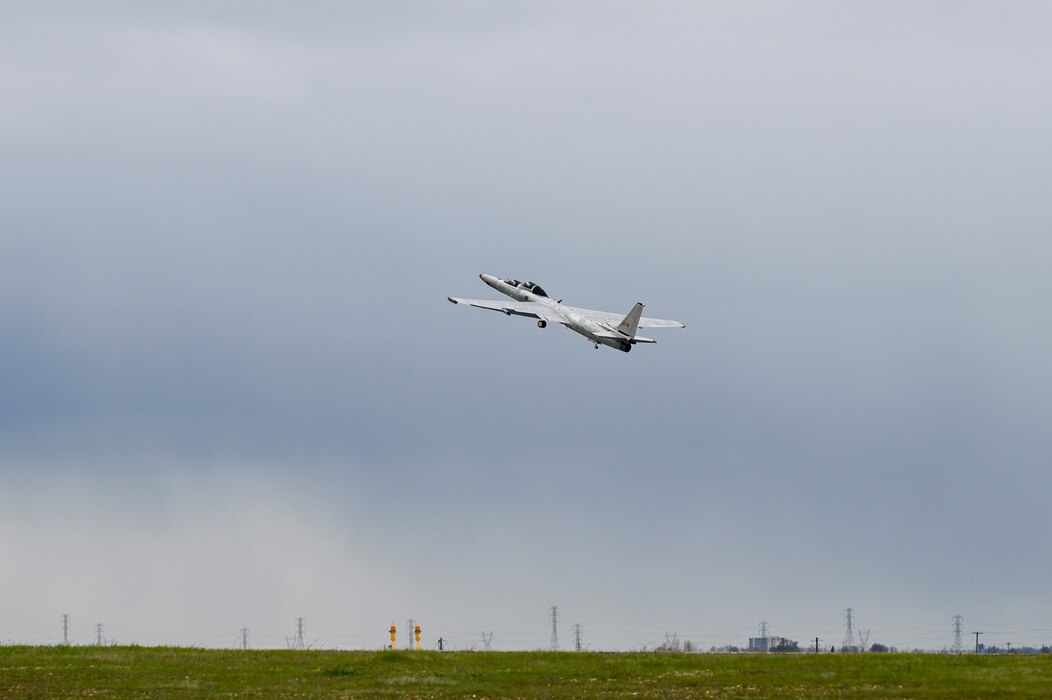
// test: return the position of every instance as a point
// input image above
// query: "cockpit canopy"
(528, 286)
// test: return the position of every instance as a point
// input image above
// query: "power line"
(849, 632)
(958, 643)
(297, 641)
(555, 628)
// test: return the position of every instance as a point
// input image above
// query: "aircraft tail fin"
(630, 323)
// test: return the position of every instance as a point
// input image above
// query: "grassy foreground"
(163, 672)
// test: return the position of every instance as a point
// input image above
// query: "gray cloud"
(227, 238)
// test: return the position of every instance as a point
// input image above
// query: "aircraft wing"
(607, 317)
(516, 308)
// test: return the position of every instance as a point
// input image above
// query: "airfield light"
(418, 637)
(394, 631)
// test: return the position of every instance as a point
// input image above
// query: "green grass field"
(161, 672)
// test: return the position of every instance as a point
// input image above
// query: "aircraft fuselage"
(598, 333)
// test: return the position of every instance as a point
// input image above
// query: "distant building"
(764, 644)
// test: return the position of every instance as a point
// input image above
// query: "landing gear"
(542, 323)
(596, 345)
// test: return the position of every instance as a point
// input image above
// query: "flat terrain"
(163, 672)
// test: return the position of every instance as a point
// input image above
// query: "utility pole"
(65, 630)
(816, 645)
(849, 632)
(440, 644)
(298, 643)
(244, 639)
(958, 643)
(976, 641)
(765, 636)
(577, 630)
(98, 634)
(555, 628)
(487, 641)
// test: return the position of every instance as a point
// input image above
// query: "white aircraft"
(600, 327)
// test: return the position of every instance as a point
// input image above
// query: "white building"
(764, 644)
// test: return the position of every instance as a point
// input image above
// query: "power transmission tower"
(555, 628)
(849, 631)
(958, 643)
(65, 629)
(298, 641)
(863, 640)
(244, 638)
(410, 626)
(487, 641)
(577, 630)
(764, 629)
(98, 634)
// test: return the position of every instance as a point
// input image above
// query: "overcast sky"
(232, 391)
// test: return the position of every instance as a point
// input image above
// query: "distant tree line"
(673, 644)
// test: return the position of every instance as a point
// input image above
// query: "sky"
(232, 391)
